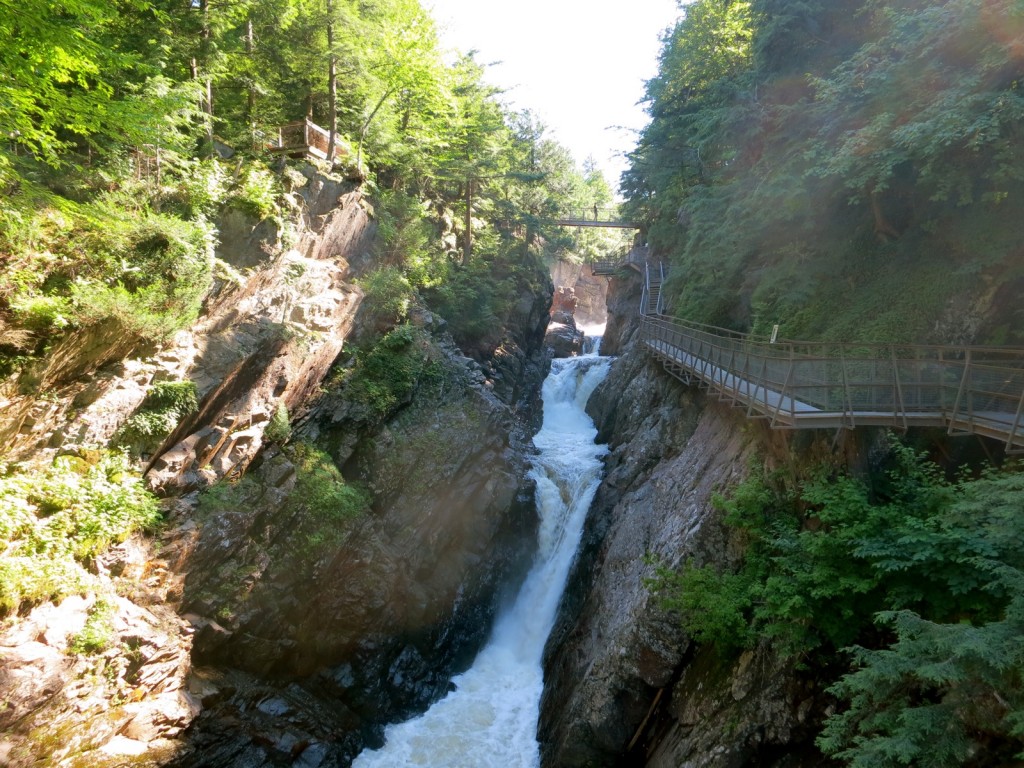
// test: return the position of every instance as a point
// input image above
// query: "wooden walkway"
(825, 385)
(816, 385)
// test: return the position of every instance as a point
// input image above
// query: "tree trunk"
(467, 243)
(250, 104)
(366, 125)
(204, 53)
(332, 84)
(883, 229)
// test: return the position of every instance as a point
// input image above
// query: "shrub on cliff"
(54, 521)
(916, 578)
(167, 403)
(106, 261)
(386, 374)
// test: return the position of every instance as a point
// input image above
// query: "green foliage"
(164, 406)
(319, 513)
(54, 520)
(321, 493)
(256, 192)
(386, 374)
(951, 681)
(104, 262)
(41, 314)
(923, 572)
(387, 294)
(714, 607)
(720, 608)
(98, 633)
(279, 430)
(897, 120)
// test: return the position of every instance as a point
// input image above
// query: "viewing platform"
(306, 139)
(635, 258)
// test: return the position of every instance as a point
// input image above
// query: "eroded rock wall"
(623, 682)
(589, 291)
(254, 634)
(370, 630)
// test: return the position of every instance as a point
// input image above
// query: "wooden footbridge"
(594, 217)
(825, 385)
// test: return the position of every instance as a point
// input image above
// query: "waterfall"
(490, 719)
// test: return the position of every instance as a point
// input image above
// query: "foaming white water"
(490, 719)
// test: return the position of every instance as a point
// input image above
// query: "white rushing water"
(490, 719)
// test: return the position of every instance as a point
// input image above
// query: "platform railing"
(828, 384)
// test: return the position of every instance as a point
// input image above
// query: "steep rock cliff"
(371, 626)
(622, 678)
(308, 635)
(589, 290)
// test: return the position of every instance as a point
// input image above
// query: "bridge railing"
(976, 389)
(607, 215)
(637, 256)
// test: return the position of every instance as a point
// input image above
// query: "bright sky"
(579, 65)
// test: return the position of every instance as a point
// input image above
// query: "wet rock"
(564, 340)
(623, 321)
(620, 673)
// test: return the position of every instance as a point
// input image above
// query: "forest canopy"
(807, 162)
(117, 119)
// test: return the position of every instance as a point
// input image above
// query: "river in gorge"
(490, 718)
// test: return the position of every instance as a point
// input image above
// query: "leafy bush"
(165, 405)
(387, 295)
(42, 313)
(199, 187)
(98, 633)
(951, 682)
(279, 429)
(163, 269)
(386, 375)
(926, 573)
(53, 521)
(256, 192)
(320, 490)
(101, 262)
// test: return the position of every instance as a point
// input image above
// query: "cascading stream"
(490, 719)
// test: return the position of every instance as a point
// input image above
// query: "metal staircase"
(651, 301)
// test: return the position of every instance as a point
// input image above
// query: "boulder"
(564, 340)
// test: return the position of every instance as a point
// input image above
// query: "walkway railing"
(800, 385)
(594, 217)
(634, 257)
(306, 137)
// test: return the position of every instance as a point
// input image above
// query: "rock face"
(588, 291)
(621, 677)
(624, 293)
(270, 340)
(563, 338)
(297, 637)
(111, 705)
(372, 630)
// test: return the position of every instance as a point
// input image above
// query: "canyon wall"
(275, 620)
(624, 683)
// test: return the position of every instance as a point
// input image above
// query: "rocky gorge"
(622, 677)
(334, 549)
(280, 616)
